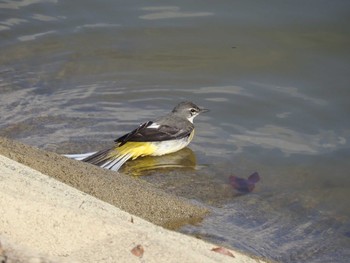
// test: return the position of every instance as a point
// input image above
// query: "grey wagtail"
(164, 135)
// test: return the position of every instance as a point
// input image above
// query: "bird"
(164, 135)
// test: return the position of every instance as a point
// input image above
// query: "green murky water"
(75, 76)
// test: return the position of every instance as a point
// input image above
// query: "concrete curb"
(44, 220)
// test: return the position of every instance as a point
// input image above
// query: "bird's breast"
(170, 146)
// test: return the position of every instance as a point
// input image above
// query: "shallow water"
(75, 76)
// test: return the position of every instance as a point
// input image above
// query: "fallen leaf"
(223, 251)
(3, 257)
(1, 250)
(138, 251)
(244, 185)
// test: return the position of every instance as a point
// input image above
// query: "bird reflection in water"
(184, 159)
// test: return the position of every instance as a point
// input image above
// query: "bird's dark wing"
(151, 132)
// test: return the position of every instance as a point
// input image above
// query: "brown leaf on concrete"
(138, 251)
(3, 257)
(223, 251)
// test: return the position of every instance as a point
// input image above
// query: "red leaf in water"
(138, 251)
(223, 251)
(244, 185)
(254, 178)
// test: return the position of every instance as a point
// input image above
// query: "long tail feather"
(99, 158)
(108, 158)
(79, 157)
(121, 160)
(117, 163)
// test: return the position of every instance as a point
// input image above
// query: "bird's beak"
(204, 110)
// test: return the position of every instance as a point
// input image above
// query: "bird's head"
(189, 110)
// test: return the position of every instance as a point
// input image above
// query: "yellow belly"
(137, 149)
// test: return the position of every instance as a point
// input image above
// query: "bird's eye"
(193, 110)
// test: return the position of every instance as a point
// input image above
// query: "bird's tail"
(79, 157)
(108, 158)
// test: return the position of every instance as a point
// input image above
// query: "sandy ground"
(46, 220)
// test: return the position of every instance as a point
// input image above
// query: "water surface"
(76, 75)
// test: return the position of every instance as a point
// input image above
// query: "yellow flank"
(136, 149)
(191, 136)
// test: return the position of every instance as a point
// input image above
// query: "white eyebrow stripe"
(154, 125)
